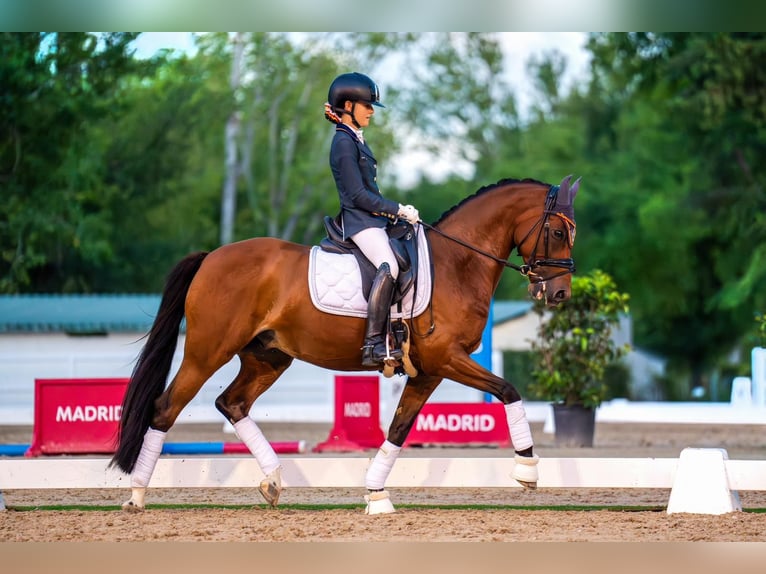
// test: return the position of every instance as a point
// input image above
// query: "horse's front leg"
(414, 396)
(465, 370)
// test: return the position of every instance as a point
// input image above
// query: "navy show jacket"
(355, 171)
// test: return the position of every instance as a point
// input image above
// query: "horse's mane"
(484, 189)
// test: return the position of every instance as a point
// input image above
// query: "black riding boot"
(378, 307)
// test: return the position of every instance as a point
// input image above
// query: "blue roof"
(77, 313)
(123, 313)
(503, 311)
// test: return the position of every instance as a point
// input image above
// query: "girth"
(401, 237)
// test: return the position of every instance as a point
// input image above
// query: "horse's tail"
(151, 371)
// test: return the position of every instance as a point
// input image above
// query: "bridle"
(543, 231)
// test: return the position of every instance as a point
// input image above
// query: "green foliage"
(517, 368)
(55, 86)
(760, 320)
(575, 346)
(677, 122)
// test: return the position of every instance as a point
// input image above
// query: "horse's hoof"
(378, 503)
(270, 493)
(132, 507)
(525, 471)
(271, 487)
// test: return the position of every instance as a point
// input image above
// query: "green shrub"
(574, 344)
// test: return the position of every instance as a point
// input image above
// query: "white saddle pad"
(335, 283)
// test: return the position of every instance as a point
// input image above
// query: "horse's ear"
(574, 188)
(564, 186)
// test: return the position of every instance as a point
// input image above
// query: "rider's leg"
(373, 242)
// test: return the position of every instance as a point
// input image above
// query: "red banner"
(76, 416)
(357, 415)
(460, 424)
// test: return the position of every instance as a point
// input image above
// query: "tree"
(54, 84)
(686, 125)
(457, 99)
(283, 182)
(162, 172)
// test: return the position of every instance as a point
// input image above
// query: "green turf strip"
(322, 507)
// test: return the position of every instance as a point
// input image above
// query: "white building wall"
(516, 334)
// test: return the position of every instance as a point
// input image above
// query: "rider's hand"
(409, 213)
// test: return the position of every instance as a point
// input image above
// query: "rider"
(365, 213)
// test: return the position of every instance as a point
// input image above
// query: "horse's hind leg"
(414, 396)
(259, 369)
(186, 383)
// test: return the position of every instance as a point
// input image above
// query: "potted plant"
(573, 348)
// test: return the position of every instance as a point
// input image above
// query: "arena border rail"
(703, 480)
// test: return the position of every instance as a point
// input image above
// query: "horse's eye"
(558, 234)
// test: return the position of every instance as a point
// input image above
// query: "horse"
(251, 299)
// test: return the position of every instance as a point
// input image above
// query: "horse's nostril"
(561, 295)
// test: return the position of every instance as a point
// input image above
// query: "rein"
(528, 268)
(523, 269)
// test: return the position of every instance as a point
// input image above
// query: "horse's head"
(547, 246)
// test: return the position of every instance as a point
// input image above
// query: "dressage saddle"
(401, 236)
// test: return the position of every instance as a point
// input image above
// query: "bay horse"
(251, 299)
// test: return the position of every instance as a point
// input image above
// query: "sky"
(518, 48)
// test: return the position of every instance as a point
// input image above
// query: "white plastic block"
(758, 368)
(549, 427)
(741, 393)
(701, 484)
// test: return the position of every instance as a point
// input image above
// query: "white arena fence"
(701, 480)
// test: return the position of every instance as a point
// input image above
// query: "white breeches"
(373, 243)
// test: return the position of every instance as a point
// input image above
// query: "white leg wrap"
(521, 436)
(381, 466)
(251, 435)
(147, 458)
(151, 449)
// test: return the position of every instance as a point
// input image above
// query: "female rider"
(364, 212)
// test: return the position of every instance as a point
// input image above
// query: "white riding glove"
(409, 213)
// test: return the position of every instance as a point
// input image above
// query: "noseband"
(543, 231)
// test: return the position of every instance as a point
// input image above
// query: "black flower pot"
(575, 425)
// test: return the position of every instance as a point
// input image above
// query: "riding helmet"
(355, 87)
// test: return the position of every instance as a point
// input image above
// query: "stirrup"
(372, 359)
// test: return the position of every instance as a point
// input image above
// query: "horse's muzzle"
(543, 291)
